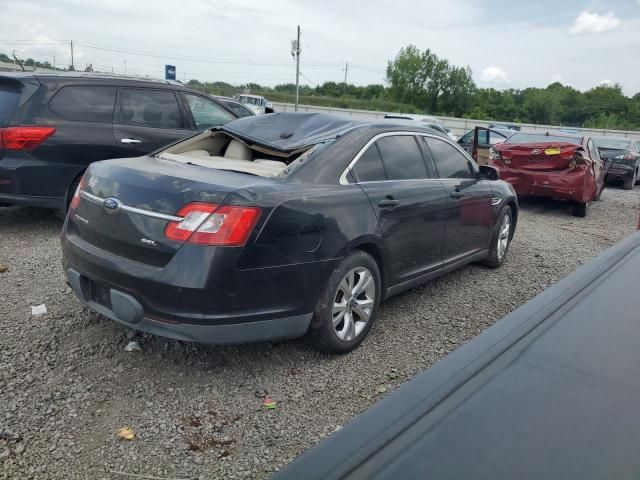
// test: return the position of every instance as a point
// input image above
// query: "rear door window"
(369, 166)
(207, 114)
(149, 108)
(13, 94)
(84, 103)
(402, 158)
(450, 162)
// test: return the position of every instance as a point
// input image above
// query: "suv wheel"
(629, 184)
(347, 306)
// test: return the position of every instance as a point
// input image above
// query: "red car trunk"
(557, 169)
(540, 157)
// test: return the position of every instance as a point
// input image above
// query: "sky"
(507, 44)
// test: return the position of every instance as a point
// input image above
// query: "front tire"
(347, 306)
(501, 239)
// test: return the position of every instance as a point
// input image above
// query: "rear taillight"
(210, 224)
(568, 154)
(75, 200)
(24, 138)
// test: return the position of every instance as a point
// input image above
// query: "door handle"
(456, 194)
(388, 202)
(130, 140)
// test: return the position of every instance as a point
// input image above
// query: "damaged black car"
(280, 226)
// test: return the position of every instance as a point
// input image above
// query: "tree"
(429, 82)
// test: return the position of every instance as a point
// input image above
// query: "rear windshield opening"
(541, 138)
(223, 152)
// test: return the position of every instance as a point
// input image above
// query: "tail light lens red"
(211, 224)
(75, 200)
(24, 138)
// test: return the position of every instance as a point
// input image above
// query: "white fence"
(458, 126)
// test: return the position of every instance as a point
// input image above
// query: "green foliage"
(429, 82)
(421, 82)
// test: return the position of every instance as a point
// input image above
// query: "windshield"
(539, 138)
(612, 143)
(250, 100)
(237, 108)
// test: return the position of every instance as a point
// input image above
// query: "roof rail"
(140, 78)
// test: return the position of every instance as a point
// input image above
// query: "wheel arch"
(511, 203)
(376, 252)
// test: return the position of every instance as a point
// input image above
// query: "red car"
(556, 166)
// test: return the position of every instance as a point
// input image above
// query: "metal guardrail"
(458, 126)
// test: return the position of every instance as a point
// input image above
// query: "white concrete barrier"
(458, 126)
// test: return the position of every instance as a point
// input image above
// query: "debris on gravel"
(67, 383)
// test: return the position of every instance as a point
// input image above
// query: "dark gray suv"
(52, 126)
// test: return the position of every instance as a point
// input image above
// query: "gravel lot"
(67, 385)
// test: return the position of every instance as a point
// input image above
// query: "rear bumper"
(620, 172)
(32, 182)
(125, 309)
(562, 185)
(33, 201)
(199, 295)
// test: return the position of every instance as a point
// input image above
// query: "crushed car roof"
(290, 131)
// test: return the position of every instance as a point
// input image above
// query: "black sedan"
(278, 226)
(624, 154)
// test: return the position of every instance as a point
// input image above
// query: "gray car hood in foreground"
(550, 391)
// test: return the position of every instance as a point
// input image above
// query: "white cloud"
(588, 22)
(607, 82)
(495, 75)
(557, 77)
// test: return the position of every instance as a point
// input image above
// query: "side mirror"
(488, 172)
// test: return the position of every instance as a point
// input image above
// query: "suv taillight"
(24, 138)
(210, 224)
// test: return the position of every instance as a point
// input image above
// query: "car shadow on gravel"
(33, 218)
(544, 205)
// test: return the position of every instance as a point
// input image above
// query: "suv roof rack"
(72, 74)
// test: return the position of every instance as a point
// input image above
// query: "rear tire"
(629, 184)
(347, 306)
(500, 240)
(579, 209)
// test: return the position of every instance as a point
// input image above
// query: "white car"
(432, 122)
(258, 104)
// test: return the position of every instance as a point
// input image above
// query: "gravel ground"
(67, 385)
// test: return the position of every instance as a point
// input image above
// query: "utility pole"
(72, 65)
(295, 51)
(346, 71)
(54, 62)
(125, 66)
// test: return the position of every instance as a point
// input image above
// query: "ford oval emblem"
(112, 205)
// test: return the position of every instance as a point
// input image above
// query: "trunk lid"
(144, 195)
(539, 156)
(619, 156)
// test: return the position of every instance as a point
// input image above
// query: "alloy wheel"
(503, 236)
(353, 303)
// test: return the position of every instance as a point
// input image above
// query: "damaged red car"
(556, 166)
